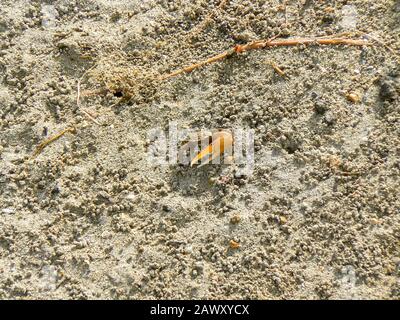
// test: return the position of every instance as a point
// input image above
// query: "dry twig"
(78, 96)
(261, 44)
(57, 136)
(277, 69)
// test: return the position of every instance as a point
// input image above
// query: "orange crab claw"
(222, 141)
(204, 153)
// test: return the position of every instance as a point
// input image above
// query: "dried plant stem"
(91, 117)
(199, 64)
(277, 69)
(79, 93)
(385, 45)
(267, 44)
(57, 136)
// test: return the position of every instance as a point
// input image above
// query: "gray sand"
(90, 218)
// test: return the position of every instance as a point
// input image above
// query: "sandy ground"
(90, 218)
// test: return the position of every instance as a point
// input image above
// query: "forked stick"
(267, 44)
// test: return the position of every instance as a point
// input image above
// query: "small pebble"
(353, 97)
(235, 219)
(234, 245)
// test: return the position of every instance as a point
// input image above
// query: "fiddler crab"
(214, 145)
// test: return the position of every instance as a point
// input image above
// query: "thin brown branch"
(261, 44)
(87, 93)
(90, 116)
(57, 136)
(384, 44)
(199, 64)
(277, 69)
